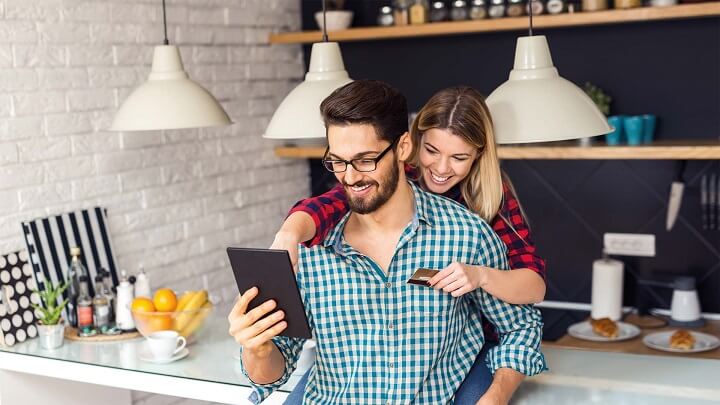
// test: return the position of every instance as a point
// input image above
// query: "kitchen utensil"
(661, 341)
(676, 192)
(712, 202)
(685, 304)
(583, 330)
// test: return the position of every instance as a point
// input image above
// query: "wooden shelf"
(505, 24)
(664, 150)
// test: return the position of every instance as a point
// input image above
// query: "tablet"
(272, 273)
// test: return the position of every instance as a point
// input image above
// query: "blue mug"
(615, 137)
(649, 121)
(633, 127)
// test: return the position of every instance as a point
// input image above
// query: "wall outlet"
(629, 244)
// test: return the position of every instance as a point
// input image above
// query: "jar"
(419, 12)
(515, 8)
(537, 7)
(401, 12)
(438, 11)
(497, 9)
(459, 10)
(627, 3)
(555, 6)
(385, 18)
(478, 10)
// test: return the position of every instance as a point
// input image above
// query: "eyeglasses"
(361, 164)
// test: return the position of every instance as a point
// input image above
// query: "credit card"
(422, 276)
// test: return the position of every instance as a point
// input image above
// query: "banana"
(197, 320)
(196, 301)
(182, 303)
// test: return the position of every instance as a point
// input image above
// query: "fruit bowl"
(188, 316)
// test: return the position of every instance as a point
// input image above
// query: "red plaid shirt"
(327, 209)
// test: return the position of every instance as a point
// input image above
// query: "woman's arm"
(519, 286)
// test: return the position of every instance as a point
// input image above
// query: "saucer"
(661, 341)
(583, 330)
(146, 355)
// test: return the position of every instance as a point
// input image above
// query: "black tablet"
(272, 273)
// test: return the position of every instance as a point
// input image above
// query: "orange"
(159, 322)
(142, 304)
(165, 300)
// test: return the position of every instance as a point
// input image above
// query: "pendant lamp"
(169, 99)
(298, 116)
(537, 105)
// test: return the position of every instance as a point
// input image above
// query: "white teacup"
(165, 344)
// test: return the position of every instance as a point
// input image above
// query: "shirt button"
(392, 365)
(388, 285)
(391, 326)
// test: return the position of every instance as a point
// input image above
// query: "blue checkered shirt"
(381, 340)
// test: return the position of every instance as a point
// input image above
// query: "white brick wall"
(175, 199)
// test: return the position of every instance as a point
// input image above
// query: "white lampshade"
(169, 99)
(298, 116)
(537, 105)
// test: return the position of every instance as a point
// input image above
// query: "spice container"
(459, 10)
(401, 13)
(497, 9)
(438, 12)
(419, 12)
(627, 3)
(478, 11)
(385, 17)
(537, 7)
(515, 8)
(555, 6)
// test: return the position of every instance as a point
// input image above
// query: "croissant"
(682, 340)
(605, 327)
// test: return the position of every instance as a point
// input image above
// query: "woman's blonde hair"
(463, 112)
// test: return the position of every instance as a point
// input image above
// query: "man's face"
(366, 191)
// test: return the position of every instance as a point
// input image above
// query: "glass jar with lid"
(438, 11)
(401, 12)
(385, 17)
(459, 10)
(419, 12)
(537, 7)
(478, 10)
(496, 9)
(515, 8)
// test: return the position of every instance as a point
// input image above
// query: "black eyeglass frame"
(328, 163)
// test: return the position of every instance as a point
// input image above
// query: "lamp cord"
(325, 36)
(165, 42)
(531, 14)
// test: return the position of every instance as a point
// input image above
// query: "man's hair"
(368, 102)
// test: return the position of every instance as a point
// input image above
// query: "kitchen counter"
(80, 373)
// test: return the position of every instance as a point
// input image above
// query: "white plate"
(661, 341)
(145, 355)
(584, 331)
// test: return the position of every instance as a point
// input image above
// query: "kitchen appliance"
(685, 304)
(676, 193)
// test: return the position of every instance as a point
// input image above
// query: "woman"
(455, 156)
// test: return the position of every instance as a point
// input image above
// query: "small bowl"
(186, 323)
(336, 19)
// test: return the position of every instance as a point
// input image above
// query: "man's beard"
(384, 192)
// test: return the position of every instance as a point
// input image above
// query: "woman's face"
(445, 159)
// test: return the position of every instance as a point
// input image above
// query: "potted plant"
(602, 101)
(51, 329)
(337, 18)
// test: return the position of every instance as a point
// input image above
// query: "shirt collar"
(422, 213)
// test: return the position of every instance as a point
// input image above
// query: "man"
(379, 339)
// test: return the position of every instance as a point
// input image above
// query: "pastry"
(682, 340)
(605, 327)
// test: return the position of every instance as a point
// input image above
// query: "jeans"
(476, 383)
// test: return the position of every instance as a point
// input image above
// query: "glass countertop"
(214, 355)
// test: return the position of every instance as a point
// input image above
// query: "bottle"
(108, 288)
(419, 12)
(101, 305)
(401, 13)
(84, 305)
(123, 315)
(142, 284)
(75, 271)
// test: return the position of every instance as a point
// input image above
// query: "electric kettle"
(685, 304)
